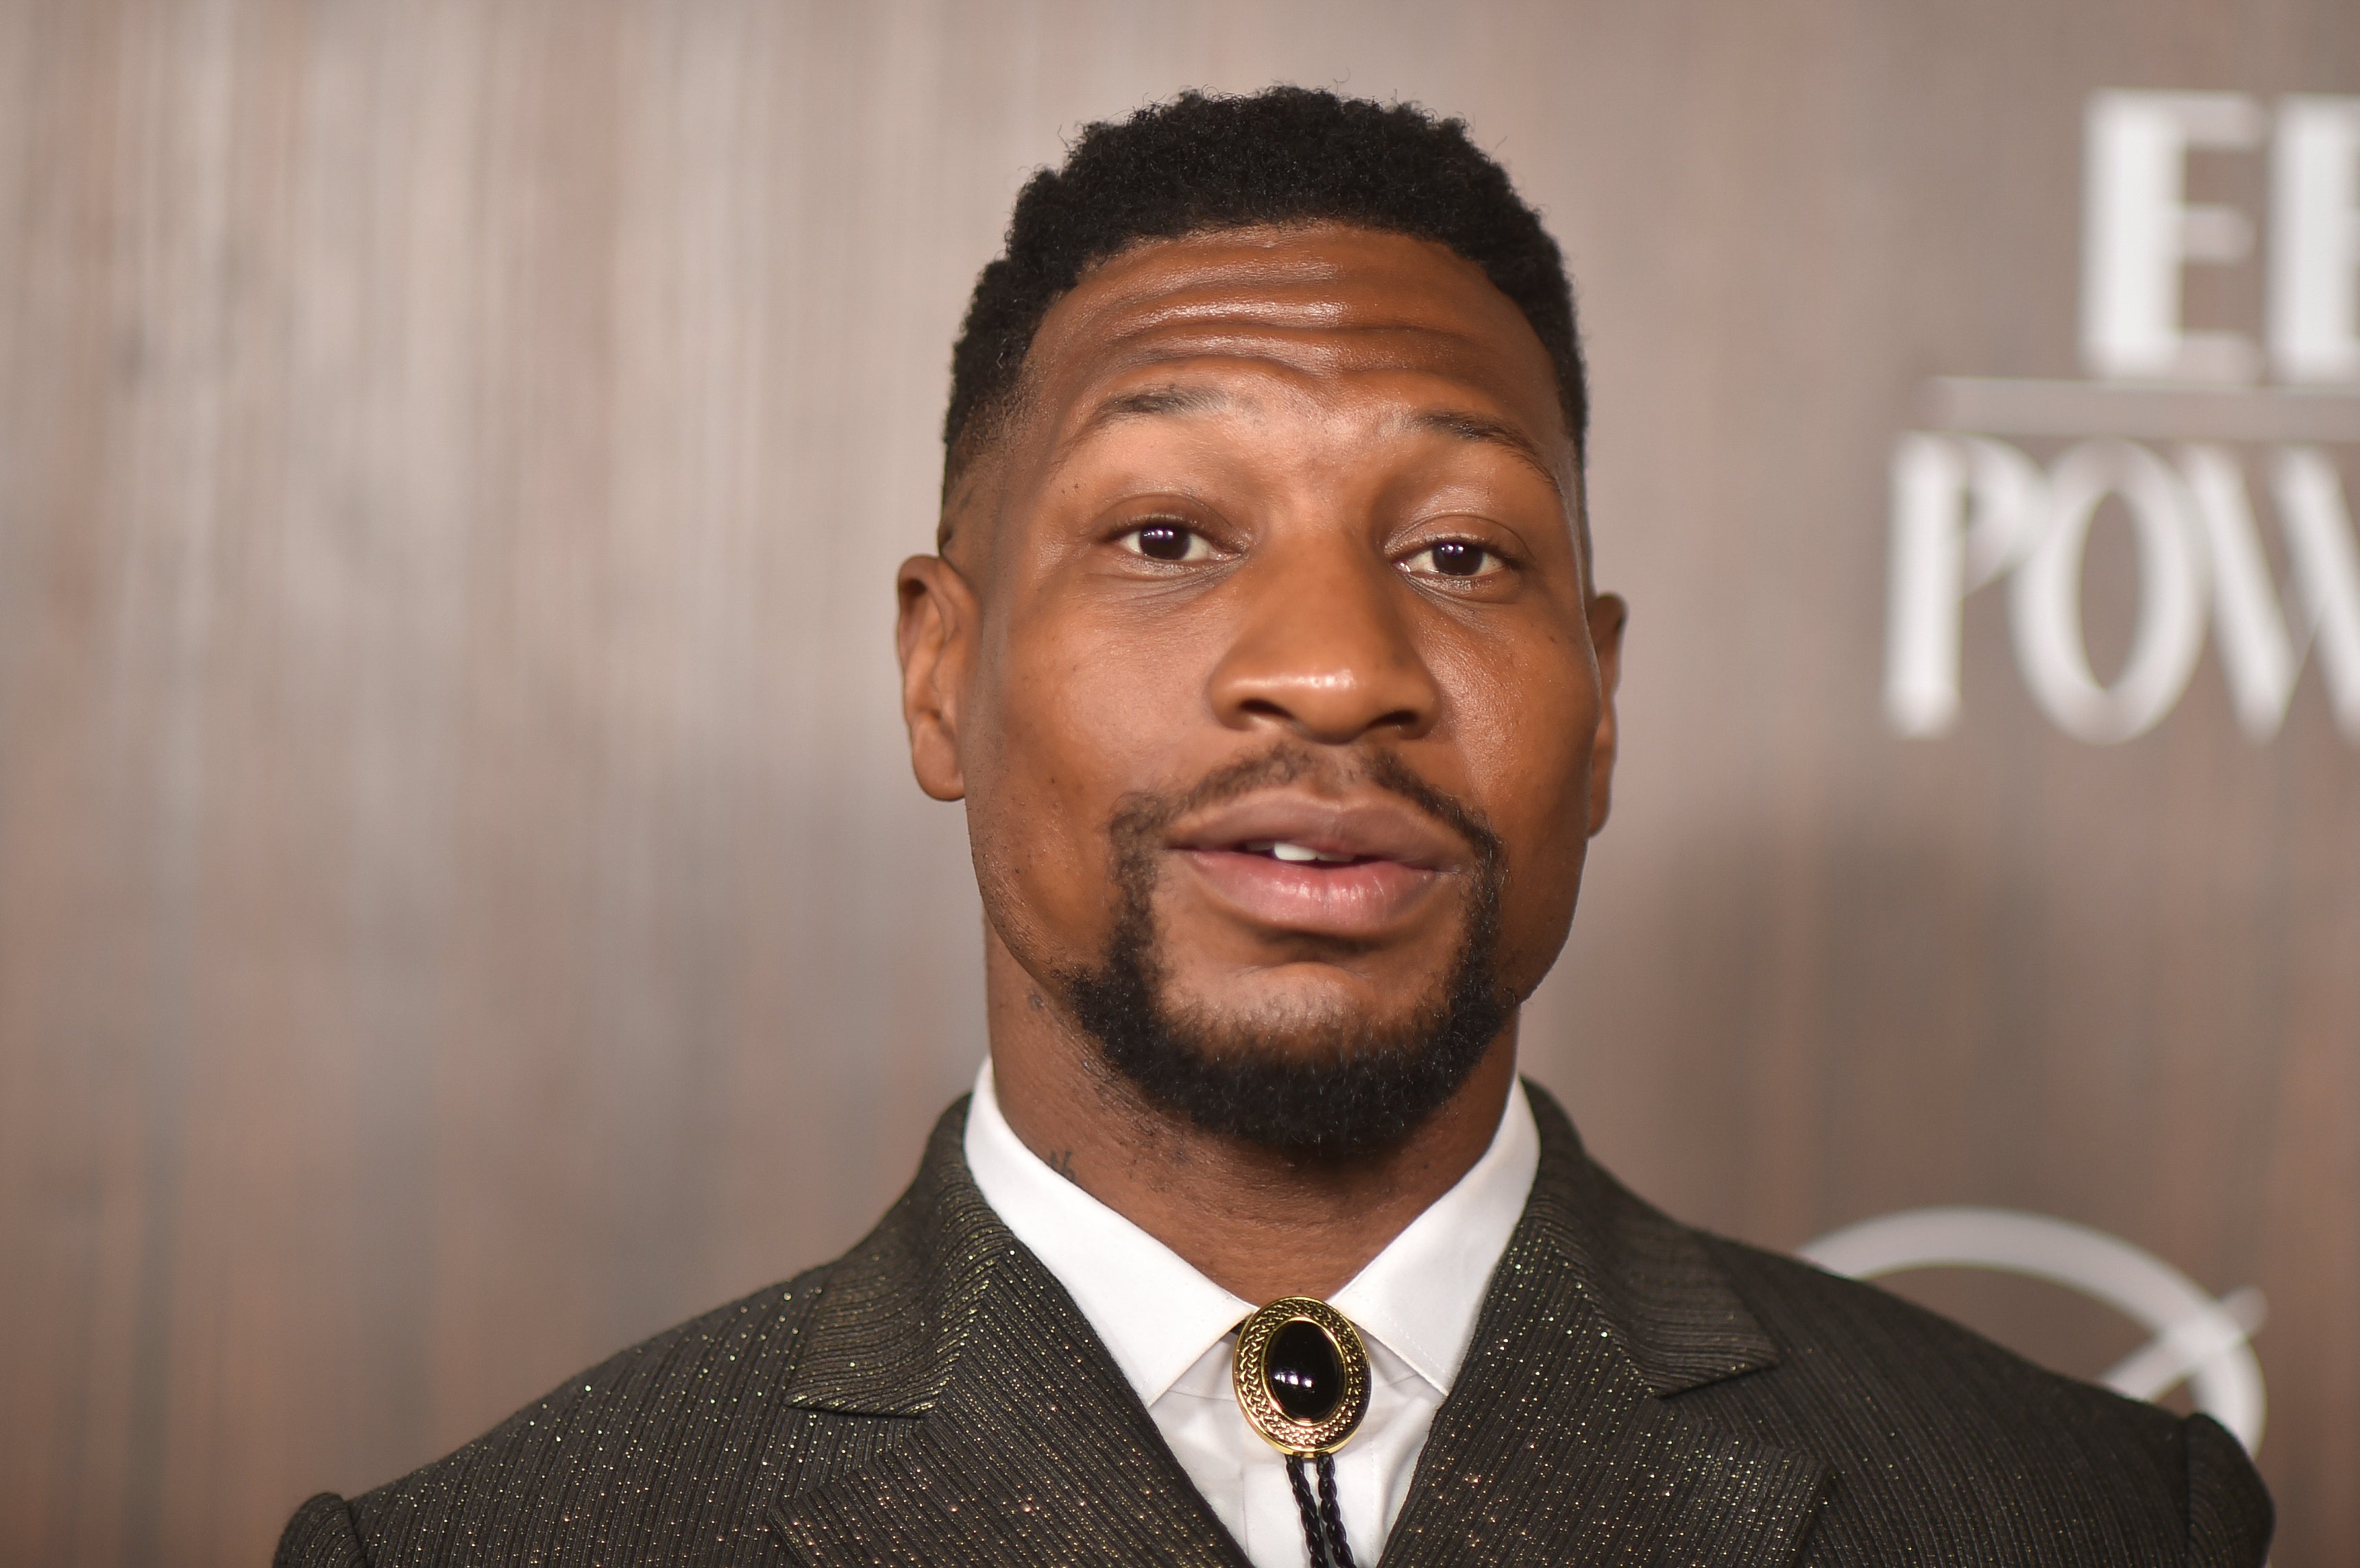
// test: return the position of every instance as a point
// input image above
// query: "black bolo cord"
(1323, 1524)
(1313, 1539)
(1339, 1554)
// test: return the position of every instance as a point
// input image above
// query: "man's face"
(1265, 659)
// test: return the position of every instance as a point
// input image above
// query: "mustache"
(1141, 818)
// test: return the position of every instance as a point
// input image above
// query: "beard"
(1314, 1084)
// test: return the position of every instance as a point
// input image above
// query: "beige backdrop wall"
(463, 905)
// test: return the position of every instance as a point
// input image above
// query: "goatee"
(1324, 1087)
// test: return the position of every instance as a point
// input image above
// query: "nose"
(1326, 648)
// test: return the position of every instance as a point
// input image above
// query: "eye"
(1168, 541)
(1456, 558)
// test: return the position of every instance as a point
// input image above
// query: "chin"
(1306, 1070)
(1304, 1011)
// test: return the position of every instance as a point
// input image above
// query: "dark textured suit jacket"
(1637, 1392)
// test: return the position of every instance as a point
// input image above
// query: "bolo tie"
(1302, 1379)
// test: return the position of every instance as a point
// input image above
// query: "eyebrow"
(1152, 402)
(1473, 427)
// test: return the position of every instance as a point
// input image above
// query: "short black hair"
(1287, 155)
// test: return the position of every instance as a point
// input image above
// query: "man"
(1262, 645)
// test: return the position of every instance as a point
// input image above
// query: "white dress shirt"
(1172, 1331)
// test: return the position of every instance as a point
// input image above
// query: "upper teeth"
(1298, 853)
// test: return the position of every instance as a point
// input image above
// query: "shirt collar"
(1158, 1315)
(1420, 1296)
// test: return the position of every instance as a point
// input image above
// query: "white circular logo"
(2196, 1337)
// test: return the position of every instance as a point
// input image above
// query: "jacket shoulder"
(668, 1450)
(321, 1535)
(1948, 1447)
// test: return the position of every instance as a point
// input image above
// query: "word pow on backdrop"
(2174, 423)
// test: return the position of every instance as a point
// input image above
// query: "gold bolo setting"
(1301, 1376)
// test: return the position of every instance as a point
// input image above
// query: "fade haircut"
(1203, 163)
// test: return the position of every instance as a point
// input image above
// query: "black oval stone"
(1305, 1373)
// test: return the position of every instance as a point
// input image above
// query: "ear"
(1608, 615)
(934, 633)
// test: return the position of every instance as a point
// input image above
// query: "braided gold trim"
(1250, 1374)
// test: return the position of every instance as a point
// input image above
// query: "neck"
(1259, 1224)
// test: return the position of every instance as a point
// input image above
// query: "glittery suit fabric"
(1637, 1392)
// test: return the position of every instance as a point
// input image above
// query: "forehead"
(1333, 311)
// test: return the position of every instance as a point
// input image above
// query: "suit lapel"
(1562, 1439)
(1026, 1445)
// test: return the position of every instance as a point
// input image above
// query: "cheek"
(1065, 724)
(1528, 746)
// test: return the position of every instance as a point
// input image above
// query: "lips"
(1348, 868)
